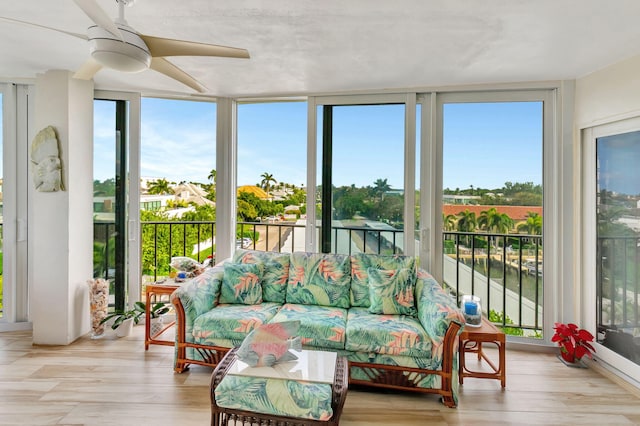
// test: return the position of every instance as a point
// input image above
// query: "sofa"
(392, 320)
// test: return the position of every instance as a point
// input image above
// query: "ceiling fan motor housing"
(130, 55)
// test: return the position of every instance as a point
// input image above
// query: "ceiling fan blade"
(99, 16)
(167, 68)
(161, 47)
(88, 70)
(17, 21)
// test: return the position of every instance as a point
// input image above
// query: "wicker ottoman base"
(225, 416)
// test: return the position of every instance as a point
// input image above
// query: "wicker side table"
(224, 416)
(471, 340)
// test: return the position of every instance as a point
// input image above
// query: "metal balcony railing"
(618, 283)
(504, 270)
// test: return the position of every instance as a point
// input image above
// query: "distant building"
(460, 199)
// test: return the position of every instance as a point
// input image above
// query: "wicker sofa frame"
(381, 375)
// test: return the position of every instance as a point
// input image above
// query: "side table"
(151, 291)
(471, 340)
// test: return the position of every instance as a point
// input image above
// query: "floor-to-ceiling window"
(271, 176)
(1, 207)
(177, 184)
(618, 243)
(492, 205)
(110, 177)
(361, 178)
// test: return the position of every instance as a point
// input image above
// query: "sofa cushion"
(241, 283)
(319, 279)
(320, 326)
(386, 334)
(275, 273)
(360, 264)
(276, 397)
(391, 291)
(228, 325)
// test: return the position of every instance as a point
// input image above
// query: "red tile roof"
(517, 213)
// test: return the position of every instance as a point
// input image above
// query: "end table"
(152, 290)
(471, 340)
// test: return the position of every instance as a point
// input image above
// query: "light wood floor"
(115, 382)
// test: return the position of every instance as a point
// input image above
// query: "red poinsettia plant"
(574, 342)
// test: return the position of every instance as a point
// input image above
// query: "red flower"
(573, 342)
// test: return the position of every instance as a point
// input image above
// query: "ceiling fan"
(114, 44)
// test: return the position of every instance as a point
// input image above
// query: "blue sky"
(485, 144)
(618, 159)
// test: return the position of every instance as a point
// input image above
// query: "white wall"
(60, 223)
(608, 95)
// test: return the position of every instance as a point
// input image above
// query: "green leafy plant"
(157, 309)
(574, 342)
(120, 317)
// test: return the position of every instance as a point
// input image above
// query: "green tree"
(492, 221)
(267, 180)
(212, 175)
(467, 221)
(533, 224)
(381, 186)
(448, 222)
(160, 186)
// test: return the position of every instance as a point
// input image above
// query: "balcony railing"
(504, 270)
(618, 283)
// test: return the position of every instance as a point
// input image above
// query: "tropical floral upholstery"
(391, 291)
(231, 323)
(275, 273)
(360, 264)
(334, 297)
(436, 308)
(200, 294)
(275, 396)
(320, 326)
(319, 279)
(386, 334)
(241, 283)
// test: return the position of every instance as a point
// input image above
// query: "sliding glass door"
(361, 184)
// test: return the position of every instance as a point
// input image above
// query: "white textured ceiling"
(301, 47)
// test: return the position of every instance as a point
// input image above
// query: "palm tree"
(160, 186)
(492, 221)
(467, 221)
(533, 224)
(267, 179)
(212, 175)
(448, 221)
(381, 186)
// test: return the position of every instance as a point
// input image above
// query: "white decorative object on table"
(472, 310)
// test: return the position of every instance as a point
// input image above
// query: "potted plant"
(156, 312)
(122, 321)
(574, 342)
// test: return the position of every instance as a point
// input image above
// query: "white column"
(61, 223)
(226, 178)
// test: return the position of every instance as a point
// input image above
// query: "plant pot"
(125, 328)
(156, 326)
(574, 364)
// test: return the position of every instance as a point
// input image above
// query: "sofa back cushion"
(241, 284)
(391, 291)
(275, 271)
(319, 279)
(360, 264)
